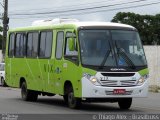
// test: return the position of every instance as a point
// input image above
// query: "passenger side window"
(45, 44)
(59, 45)
(67, 51)
(71, 54)
(11, 45)
(20, 45)
(32, 44)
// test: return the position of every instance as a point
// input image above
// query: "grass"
(154, 88)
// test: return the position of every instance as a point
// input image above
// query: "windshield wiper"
(125, 57)
(105, 58)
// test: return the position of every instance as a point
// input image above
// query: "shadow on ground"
(86, 107)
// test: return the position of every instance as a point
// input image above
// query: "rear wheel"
(3, 83)
(28, 95)
(125, 103)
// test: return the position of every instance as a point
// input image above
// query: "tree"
(157, 27)
(147, 25)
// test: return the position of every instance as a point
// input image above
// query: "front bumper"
(89, 90)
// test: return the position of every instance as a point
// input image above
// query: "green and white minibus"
(81, 61)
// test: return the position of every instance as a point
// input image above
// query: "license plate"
(119, 91)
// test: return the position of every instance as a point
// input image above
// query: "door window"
(59, 45)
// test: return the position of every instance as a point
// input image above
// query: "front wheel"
(28, 95)
(65, 97)
(125, 103)
(73, 102)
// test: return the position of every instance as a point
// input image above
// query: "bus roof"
(107, 24)
(73, 25)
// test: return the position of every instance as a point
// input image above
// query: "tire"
(65, 97)
(3, 83)
(125, 103)
(28, 95)
(73, 102)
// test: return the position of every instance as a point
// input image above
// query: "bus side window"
(17, 52)
(59, 44)
(71, 55)
(35, 44)
(11, 45)
(45, 44)
(67, 51)
(32, 44)
(20, 45)
(29, 45)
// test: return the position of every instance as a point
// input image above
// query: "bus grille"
(118, 83)
(118, 74)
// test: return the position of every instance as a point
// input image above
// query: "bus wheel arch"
(69, 97)
(22, 79)
(65, 90)
(67, 84)
(26, 94)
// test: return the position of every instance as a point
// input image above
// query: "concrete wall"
(153, 58)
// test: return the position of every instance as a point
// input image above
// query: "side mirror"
(71, 44)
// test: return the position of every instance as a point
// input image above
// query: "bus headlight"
(141, 81)
(92, 79)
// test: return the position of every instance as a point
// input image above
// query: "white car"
(2, 74)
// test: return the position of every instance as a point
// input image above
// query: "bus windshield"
(112, 48)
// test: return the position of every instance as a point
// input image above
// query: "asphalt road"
(11, 102)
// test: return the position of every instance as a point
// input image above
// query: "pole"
(5, 26)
